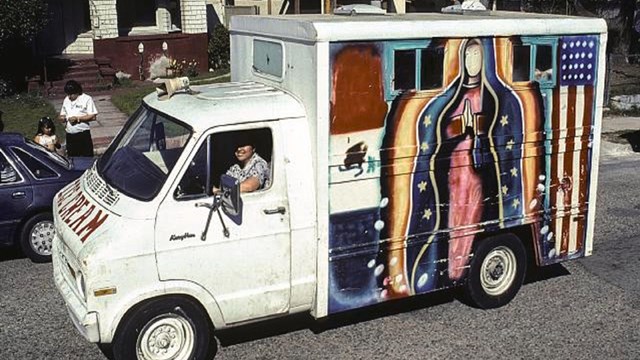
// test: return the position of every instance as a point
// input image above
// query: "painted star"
(510, 144)
(424, 147)
(516, 203)
(505, 189)
(427, 214)
(422, 186)
(505, 120)
(514, 172)
(427, 120)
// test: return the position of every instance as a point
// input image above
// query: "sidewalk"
(612, 123)
(108, 122)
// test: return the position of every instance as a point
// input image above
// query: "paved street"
(587, 309)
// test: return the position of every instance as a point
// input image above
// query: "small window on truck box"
(534, 59)
(268, 58)
(412, 66)
(521, 62)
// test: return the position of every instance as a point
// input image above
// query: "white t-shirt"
(45, 140)
(82, 105)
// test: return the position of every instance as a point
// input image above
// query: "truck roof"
(319, 28)
(227, 103)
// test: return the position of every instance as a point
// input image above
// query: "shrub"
(219, 47)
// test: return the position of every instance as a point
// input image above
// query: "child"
(46, 135)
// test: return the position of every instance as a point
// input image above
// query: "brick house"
(111, 32)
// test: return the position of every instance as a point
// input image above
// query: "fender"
(167, 288)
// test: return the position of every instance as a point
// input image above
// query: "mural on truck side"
(435, 142)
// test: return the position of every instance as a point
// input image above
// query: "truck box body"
(396, 155)
(383, 95)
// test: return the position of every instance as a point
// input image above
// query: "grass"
(22, 112)
(128, 98)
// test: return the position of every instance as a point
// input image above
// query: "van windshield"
(139, 160)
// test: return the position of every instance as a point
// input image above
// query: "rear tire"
(36, 237)
(175, 328)
(497, 271)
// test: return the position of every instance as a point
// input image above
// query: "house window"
(136, 13)
(521, 62)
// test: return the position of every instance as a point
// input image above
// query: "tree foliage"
(21, 21)
(219, 47)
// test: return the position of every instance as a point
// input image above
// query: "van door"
(248, 272)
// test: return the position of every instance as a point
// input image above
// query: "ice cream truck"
(404, 154)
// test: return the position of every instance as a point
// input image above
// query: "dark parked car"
(29, 178)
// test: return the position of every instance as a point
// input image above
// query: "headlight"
(81, 285)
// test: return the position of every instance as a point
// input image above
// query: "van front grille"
(100, 189)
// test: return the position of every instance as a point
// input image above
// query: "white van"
(399, 155)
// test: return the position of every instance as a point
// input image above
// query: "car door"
(16, 196)
(248, 270)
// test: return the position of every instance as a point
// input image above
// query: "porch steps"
(93, 74)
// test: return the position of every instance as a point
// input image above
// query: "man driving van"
(251, 170)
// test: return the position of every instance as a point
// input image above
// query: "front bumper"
(85, 321)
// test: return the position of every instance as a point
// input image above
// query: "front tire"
(36, 237)
(496, 272)
(174, 328)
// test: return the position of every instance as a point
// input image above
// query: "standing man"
(77, 111)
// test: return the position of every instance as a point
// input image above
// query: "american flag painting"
(572, 119)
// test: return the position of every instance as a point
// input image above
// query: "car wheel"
(37, 236)
(496, 271)
(174, 328)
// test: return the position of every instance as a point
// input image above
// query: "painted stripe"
(553, 174)
(575, 171)
(561, 149)
(584, 163)
(568, 168)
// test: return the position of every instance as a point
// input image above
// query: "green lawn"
(22, 112)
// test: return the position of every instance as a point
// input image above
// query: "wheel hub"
(166, 337)
(42, 237)
(498, 271)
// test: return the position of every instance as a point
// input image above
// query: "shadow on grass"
(305, 321)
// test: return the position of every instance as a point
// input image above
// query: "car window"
(8, 173)
(37, 168)
(57, 158)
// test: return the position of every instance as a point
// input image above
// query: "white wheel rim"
(166, 337)
(498, 271)
(42, 237)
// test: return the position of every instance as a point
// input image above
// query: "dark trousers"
(80, 144)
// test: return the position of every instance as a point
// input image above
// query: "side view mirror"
(230, 200)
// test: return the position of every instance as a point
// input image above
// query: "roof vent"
(359, 9)
(467, 6)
